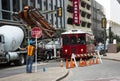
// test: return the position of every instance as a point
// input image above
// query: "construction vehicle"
(50, 49)
(13, 37)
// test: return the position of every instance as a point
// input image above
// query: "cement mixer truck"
(11, 38)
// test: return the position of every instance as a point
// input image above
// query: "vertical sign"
(76, 12)
(59, 11)
(36, 32)
(103, 22)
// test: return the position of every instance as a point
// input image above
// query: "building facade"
(85, 15)
(97, 14)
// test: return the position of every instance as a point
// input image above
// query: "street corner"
(52, 73)
(64, 73)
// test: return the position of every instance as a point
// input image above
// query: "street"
(107, 70)
(98, 72)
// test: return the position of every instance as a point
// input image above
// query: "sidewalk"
(112, 56)
(50, 74)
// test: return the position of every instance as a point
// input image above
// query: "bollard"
(43, 69)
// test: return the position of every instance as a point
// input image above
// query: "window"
(83, 4)
(16, 7)
(88, 7)
(83, 24)
(88, 25)
(73, 40)
(65, 40)
(70, 20)
(6, 6)
(81, 39)
(88, 16)
(32, 3)
(24, 3)
(70, 9)
(83, 14)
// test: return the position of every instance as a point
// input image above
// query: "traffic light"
(103, 22)
(59, 12)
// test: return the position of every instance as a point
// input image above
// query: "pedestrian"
(30, 57)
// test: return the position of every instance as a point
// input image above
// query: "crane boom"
(34, 18)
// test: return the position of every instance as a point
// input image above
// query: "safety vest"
(30, 50)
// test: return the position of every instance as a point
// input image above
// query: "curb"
(62, 77)
(111, 59)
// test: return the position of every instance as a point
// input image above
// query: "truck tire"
(49, 55)
(21, 60)
(7, 57)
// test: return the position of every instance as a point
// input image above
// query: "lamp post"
(103, 22)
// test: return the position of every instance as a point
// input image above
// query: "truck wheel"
(21, 60)
(49, 55)
(7, 57)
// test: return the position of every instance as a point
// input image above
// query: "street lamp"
(103, 23)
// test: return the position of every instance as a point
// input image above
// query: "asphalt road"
(107, 71)
(6, 71)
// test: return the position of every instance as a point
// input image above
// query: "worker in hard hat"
(30, 57)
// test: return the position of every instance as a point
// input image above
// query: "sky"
(111, 9)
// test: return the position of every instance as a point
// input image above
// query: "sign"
(103, 22)
(36, 32)
(59, 11)
(76, 12)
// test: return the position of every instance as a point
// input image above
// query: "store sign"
(76, 12)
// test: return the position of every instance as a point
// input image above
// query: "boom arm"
(34, 18)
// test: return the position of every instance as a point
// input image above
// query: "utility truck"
(50, 49)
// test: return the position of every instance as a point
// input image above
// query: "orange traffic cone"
(71, 63)
(81, 63)
(61, 63)
(67, 64)
(97, 60)
(90, 62)
(85, 63)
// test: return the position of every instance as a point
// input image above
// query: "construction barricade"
(95, 59)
